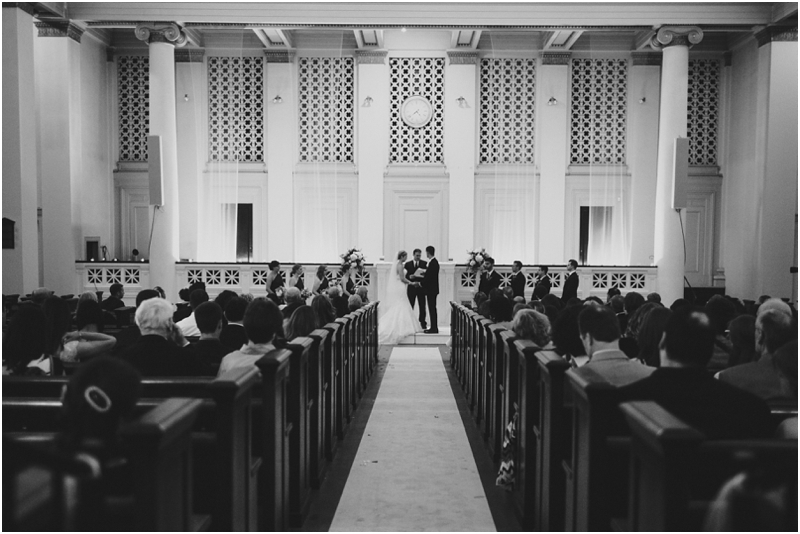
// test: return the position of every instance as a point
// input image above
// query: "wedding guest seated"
(775, 304)
(785, 360)
(500, 311)
(599, 331)
(208, 351)
(185, 294)
(479, 299)
(158, 351)
(302, 322)
(653, 325)
(363, 292)
(163, 294)
(508, 292)
(567, 337)
(321, 281)
(262, 323)
(40, 294)
(222, 301)
(519, 306)
(678, 304)
(761, 378)
(293, 301)
(323, 310)
(189, 325)
(533, 326)
(233, 335)
(630, 337)
(633, 300)
(248, 297)
(354, 303)
(114, 300)
(720, 312)
(593, 300)
(613, 292)
(86, 295)
(742, 333)
(131, 334)
(654, 297)
(538, 306)
(24, 343)
(88, 341)
(618, 306)
(683, 387)
(339, 302)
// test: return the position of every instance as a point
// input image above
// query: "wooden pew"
(493, 377)
(336, 334)
(525, 466)
(675, 472)
(506, 389)
(300, 405)
(455, 336)
(479, 374)
(345, 340)
(322, 436)
(158, 446)
(227, 477)
(470, 365)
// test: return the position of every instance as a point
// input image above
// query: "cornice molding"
(279, 56)
(190, 55)
(776, 34)
(371, 57)
(60, 29)
(458, 57)
(556, 58)
(169, 33)
(667, 36)
(27, 7)
(646, 59)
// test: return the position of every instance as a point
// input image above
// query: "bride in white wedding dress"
(396, 318)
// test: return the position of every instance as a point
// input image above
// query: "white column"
(552, 134)
(459, 151)
(281, 155)
(643, 84)
(668, 240)
(20, 264)
(163, 119)
(776, 161)
(58, 93)
(373, 145)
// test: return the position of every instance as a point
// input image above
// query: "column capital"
(371, 57)
(60, 29)
(773, 34)
(458, 57)
(279, 56)
(151, 32)
(676, 36)
(556, 58)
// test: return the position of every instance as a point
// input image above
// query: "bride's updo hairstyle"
(401, 254)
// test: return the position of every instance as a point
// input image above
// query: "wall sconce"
(642, 100)
(185, 98)
(462, 102)
(367, 102)
(552, 101)
(277, 100)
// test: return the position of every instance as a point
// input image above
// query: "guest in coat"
(208, 351)
(571, 283)
(114, 301)
(233, 335)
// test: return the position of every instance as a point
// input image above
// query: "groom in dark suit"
(430, 285)
(416, 293)
(489, 279)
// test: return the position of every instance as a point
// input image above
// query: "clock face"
(416, 111)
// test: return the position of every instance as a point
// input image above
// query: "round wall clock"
(416, 111)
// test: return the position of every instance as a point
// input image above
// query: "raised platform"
(428, 339)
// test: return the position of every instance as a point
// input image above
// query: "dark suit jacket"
(570, 287)
(518, 284)
(340, 305)
(153, 355)
(430, 284)
(207, 353)
(544, 282)
(233, 336)
(489, 282)
(112, 303)
(713, 407)
(761, 379)
(409, 267)
(290, 308)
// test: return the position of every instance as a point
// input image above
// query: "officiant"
(415, 272)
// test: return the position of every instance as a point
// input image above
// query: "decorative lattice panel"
(411, 76)
(507, 110)
(599, 111)
(703, 112)
(326, 109)
(236, 109)
(133, 74)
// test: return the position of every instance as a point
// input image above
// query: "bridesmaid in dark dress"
(296, 277)
(348, 284)
(274, 281)
(321, 282)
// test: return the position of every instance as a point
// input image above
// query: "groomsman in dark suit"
(518, 279)
(571, 283)
(430, 285)
(490, 279)
(416, 293)
(542, 285)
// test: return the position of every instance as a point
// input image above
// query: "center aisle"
(414, 469)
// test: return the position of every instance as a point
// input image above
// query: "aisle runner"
(414, 469)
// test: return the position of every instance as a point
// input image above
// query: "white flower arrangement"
(352, 258)
(476, 259)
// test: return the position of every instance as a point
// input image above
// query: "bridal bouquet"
(476, 259)
(352, 258)
(305, 294)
